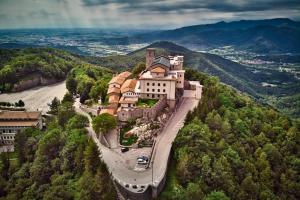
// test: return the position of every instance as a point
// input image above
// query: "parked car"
(124, 149)
(142, 160)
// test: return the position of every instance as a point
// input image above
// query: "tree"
(138, 68)
(65, 112)
(91, 157)
(84, 96)
(216, 195)
(4, 157)
(20, 103)
(99, 90)
(249, 189)
(77, 122)
(68, 98)
(54, 106)
(194, 191)
(71, 84)
(104, 122)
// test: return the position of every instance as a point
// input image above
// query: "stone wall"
(145, 113)
(125, 115)
(151, 113)
(34, 81)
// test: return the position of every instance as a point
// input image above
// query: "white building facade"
(163, 77)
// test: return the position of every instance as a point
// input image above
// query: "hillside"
(26, 68)
(233, 148)
(231, 73)
(61, 162)
(261, 36)
(30, 67)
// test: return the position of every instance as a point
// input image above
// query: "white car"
(142, 160)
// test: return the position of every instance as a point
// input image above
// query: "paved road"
(117, 165)
(38, 97)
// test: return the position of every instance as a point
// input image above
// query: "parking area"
(130, 157)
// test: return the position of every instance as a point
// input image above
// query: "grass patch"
(127, 141)
(146, 102)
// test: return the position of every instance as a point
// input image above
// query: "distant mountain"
(262, 36)
(239, 76)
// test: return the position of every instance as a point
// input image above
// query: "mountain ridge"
(262, 36)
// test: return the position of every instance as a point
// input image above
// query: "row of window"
(153, 95)
(7, 142)
(158, 84)
(8, 137)
(153, 90)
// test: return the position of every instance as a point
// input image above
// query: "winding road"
(129, 178)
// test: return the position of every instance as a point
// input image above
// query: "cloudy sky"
(138, 13)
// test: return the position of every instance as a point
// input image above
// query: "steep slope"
(267, 36)
(22, 69)
(233, 148)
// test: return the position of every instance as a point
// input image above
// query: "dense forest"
(233, 148)
(26, 64)
(58, 163)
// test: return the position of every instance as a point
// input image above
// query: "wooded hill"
(61, 162)
(233, 148)
(20, 66)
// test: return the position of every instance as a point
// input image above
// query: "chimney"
(150, 55)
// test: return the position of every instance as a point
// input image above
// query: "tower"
(150, 55)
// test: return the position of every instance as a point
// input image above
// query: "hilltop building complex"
(163, 80)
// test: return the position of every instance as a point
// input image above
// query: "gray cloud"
(214, 5)
(138, 13)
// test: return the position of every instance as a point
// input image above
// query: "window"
(152, 90)
(164, 84)
(158, 84)
(153, 96)
(147, 84)
(153, 84)
(158, 90)
(147, 95)
(158, 95)
(164, 90)
(147, 89)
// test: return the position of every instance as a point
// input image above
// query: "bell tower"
(150, 55)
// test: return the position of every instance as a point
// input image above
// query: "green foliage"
(45, 62)
(58, 163)
(233, 148)
(68, 98)
(19, 103)
(138, 68)
(99, 90)
(104, 122)
(71, 84)
(54, 106)
(89, 82)
(216, 195)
